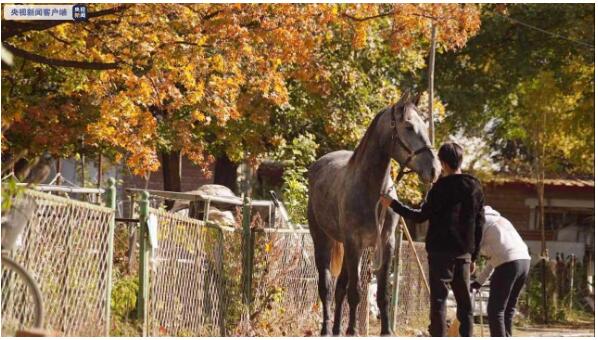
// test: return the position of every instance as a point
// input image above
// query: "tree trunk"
(83, 170)
(100, 171)
(10, 165)
(543, 250)
(171, 172)
(58, 172)
(540, 169)
(225, 172)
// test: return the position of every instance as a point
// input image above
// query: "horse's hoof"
(387, 333)
(326, 328)
(351, 332)
(325, 332)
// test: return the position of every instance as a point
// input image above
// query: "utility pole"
(432, 59)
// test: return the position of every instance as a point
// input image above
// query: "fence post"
(143, 261)
(571, 280)
(110, 203)
(394, 306)
(221, 293)
(247, 252)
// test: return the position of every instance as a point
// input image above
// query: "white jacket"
(500, 243)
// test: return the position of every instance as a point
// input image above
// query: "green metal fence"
(205, 279)
(67, 247)
(254, 279)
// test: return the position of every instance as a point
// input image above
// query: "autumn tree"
(170, 73)
(200, 80)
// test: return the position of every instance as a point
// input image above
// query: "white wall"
(567, 248)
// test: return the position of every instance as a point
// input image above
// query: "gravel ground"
(585, 329)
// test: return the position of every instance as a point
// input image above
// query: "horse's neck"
(372, 167)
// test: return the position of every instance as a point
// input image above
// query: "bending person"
(508, 263)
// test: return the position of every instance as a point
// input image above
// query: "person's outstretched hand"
(385, 201)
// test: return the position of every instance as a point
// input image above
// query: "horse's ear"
(404, 97)
(416, 99)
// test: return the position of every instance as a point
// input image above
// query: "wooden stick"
(479, 295)
(410, 240)
(36, 332)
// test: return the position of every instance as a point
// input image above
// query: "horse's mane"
(360, 149)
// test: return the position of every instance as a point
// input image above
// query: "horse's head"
(407, 139)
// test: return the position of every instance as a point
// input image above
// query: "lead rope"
(380, 219)
(381, 216)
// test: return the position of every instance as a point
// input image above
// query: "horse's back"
(329, 165)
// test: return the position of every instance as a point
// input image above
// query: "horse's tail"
(336, 258)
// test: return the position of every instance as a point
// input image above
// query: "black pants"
(447, 271)
(505, 286)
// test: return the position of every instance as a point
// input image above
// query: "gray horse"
(344, 187)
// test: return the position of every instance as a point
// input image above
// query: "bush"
(299, 155)
(531, 302)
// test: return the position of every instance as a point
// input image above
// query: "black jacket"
(454, 206)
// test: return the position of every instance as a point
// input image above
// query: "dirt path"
(577, 329)
(543, 331)
(527, 331)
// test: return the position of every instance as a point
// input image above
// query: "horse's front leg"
(382, 296)
(352, 257)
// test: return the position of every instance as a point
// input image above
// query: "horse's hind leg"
(322, 251)
(339, 297)
(352, 257)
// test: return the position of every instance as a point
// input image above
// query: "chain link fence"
(187, 278)
(284, 285)
(65, 246)
(196, 280)
(413, 308)
(197, 283)
(196, 277)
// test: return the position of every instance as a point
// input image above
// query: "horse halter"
(396, 138)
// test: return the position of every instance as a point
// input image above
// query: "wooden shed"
(568, 212)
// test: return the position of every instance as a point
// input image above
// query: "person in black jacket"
(454, 208)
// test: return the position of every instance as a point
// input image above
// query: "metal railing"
(67, 246)
(205, 279)
(254, 278)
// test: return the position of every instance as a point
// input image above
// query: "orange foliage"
(191, 69)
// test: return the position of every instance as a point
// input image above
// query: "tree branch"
(180, 43)
(368, 18)
(389, 14)
(211, 15)
(59, 39)
(60, 62)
